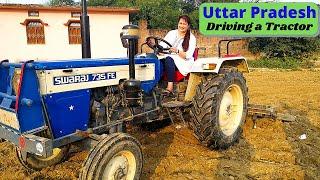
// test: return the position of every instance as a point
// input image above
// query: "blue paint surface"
(68, 111)
(4, 73)
(82, 63)
(7, 97)
(30, 117)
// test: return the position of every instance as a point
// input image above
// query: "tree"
(159, 13)
(101, 2)
(61, 2)
(118, 3)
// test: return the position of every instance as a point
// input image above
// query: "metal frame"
(228, 42)
(80, 135)
(27, 142)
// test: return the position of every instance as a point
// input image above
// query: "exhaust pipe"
(85, 31)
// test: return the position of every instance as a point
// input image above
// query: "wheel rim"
(231, 109)
(55, 153)
(121, 167)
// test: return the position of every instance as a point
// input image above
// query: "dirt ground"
(272, 150)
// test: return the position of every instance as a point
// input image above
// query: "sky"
(44, 1)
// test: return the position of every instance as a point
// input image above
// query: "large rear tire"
(219, 109)
(36, 163)
(117, 156)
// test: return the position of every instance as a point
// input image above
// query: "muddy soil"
(273, 150)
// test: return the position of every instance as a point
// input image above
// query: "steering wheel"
(154, 43)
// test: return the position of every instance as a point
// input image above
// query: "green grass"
(282, 63)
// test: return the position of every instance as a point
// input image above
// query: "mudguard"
(201, 64)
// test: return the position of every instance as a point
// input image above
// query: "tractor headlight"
(130, 32)
(209, 66)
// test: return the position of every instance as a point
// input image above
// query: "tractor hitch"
(264, 111)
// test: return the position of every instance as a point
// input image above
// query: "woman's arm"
(182, 54)
(179, 52)
(189, 53)
(170, 36)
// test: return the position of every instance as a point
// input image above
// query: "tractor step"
(174, 109)
(175, 104)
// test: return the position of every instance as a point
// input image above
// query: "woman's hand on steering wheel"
(154, 43)
(174, 50)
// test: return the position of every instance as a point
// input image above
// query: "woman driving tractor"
(183, 45)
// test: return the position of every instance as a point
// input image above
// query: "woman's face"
(183, 26)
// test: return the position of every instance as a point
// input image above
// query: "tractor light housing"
(209, 66)
(130, 32)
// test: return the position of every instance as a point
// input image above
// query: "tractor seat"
(178, 76)
(230, 55)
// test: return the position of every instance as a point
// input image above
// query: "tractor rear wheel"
(219, 109)
(36, 163)
(116, 156)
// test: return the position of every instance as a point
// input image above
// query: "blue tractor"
(47, 106)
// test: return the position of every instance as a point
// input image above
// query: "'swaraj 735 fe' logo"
(60, 80)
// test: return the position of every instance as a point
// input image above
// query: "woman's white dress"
(184, 65)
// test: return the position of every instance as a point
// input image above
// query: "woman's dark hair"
(185, 43)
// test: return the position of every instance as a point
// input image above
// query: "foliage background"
(158, 13)
(163, 14)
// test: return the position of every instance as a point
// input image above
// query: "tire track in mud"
(307, 151)
(255, 158)
(295, 92)
(236, 161)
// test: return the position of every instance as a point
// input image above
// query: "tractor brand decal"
(60, 80)
(39, 147)
(9, 119)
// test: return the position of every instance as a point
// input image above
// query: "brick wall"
(208, 45)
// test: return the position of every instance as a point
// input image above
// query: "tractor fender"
(214, 64)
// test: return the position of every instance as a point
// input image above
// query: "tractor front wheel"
(116, 156)
(36, 163)
(219, 109)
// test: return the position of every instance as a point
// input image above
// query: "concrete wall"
(105, 28)
(208, 45)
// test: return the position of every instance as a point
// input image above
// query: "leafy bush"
(284, 47)
(61, 2)
(287, 53)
